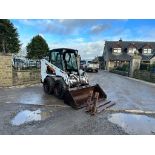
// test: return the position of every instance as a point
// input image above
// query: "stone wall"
(144, 75)
(6, 70)
(120, 72)
(10, 77)
(26, 77)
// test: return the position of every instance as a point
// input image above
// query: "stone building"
(117, 53)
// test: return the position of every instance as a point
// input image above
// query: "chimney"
(120, 40)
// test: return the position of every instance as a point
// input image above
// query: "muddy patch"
(134, 123)
(28, 116)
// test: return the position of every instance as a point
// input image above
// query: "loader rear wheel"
(49, 85)
(59, 89)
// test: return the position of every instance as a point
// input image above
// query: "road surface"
(28, 110)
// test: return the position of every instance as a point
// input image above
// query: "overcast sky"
(87, 36)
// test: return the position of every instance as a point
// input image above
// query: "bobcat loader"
(62, 77)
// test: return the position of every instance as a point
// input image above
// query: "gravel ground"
(57, 118)
(62, 121)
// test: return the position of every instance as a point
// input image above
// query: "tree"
(9, 42)
(37, 48)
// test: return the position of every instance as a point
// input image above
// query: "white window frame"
(147, 50)
(132, 50)
(117, 50)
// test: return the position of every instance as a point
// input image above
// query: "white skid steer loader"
(62, 77)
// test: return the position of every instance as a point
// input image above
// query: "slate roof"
(109, 45)
(120, 57)
(147, 58)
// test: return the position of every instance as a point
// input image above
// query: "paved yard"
(126, 92)
(28, 110)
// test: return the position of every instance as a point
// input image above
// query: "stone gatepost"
(108, 65)
(6, 75)
(134, 64)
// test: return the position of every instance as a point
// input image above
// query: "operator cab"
(65, 59)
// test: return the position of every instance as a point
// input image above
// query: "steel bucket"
(77, 98)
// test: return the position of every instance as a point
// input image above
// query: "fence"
(147, 67)
(145, 75)
(19, 64)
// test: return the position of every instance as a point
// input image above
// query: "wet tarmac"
(27, 116)
(30, 104)
(127, 93)
(134, 124)
(29, 95)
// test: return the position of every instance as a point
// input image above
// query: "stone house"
(117, 53)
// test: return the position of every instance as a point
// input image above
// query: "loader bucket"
(78, 97)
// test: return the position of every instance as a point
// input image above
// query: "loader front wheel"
(48, 85)
(59, 89)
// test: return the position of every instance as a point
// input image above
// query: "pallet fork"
(95, 106)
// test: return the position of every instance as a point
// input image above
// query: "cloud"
(74, 27)
(66, 26)
(147, 32)
(27, 22)
(82, 34)
(100, 28)
(77, 22)
(144, 33)
(42, 35)
(56, 28)
(87, 50)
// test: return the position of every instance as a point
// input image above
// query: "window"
(147, 51)
(56, 59)
(71, 61)
(117, 50)
(82, 62)
(55, 56)
(132, 50)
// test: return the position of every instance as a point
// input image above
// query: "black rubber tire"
(60, 89)
(48, 85)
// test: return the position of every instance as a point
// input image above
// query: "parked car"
(19, 63)
(92, 66)
(32, 63)
(24, 63)
(83, 64)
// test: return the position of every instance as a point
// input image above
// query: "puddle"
(134, 124)
(27, 116)
(38, 99)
